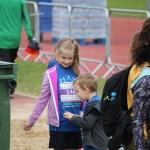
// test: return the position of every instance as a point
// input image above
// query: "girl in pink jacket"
(59, 94)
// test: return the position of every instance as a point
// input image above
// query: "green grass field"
(127, 4)
(30, 77)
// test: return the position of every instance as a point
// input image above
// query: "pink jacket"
(49, 95)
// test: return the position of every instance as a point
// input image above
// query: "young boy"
(94, 138)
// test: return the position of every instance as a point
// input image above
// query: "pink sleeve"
(41, 101)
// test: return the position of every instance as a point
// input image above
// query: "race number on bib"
(67, 92)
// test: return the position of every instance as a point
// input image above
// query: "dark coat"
(93, 133)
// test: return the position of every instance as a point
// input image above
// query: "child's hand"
(27, 127)
(68, 115)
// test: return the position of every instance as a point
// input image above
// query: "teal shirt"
(13, 15)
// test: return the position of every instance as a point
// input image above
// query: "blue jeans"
(90, 148)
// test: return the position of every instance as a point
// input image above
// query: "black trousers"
(8, 55)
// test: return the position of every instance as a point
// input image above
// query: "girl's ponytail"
(76, 63)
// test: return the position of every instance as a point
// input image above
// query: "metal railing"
(114, 58)
(97, 61)
(128, 22)
(59, 5)
(83, 59)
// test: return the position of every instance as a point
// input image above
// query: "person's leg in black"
(5, 55)
(13, 54)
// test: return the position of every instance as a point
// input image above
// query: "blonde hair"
(87, 80)
(72, 45)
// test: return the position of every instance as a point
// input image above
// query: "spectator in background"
(13, 15)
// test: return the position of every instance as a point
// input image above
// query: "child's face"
(65, 58)
(82, 94)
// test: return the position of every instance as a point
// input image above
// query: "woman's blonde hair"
(72, 45)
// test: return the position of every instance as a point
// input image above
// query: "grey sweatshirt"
(93, 133)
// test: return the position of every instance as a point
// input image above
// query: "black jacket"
(93, 134)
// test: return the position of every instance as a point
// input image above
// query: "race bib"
(67, 92)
